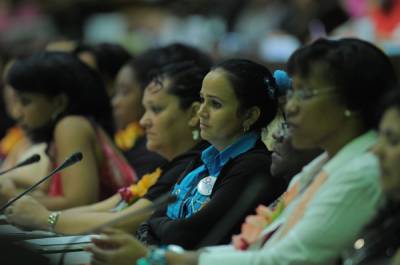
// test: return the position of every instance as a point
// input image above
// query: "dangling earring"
(196, 134)
(245, 128)
(347, 113)
(55, 115)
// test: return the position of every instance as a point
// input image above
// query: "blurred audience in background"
(265, 30)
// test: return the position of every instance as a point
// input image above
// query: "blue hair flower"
(283, 81)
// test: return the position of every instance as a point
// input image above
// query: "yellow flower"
(125, 139)
(140, 189)
(135, 191)
(13, 136)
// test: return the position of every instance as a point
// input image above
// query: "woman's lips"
(203, 125)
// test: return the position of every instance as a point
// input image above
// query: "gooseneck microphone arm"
(74, 158)
(158, 203)
(30, 160)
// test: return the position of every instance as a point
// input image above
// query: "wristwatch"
(156, 256)
(52, 220)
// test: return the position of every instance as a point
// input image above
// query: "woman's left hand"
(115, 247)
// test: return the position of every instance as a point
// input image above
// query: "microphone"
(30, 160)
(74, 158)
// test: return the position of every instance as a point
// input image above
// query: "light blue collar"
(214, 160)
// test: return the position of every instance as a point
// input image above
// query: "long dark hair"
(55, 73)
(186, 80)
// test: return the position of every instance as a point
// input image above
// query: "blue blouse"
(194, 191)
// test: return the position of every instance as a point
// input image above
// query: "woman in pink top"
(64, 103)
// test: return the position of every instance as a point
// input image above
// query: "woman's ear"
(61, 103)
(251, 116)
(194, 118)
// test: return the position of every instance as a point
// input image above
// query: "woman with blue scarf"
(238, 99)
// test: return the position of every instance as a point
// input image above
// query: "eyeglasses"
(303, 94)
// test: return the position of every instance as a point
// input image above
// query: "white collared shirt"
(345, 202)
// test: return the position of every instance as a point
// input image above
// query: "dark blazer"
(141, 159)
(175, 169)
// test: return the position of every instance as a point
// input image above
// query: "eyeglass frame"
(305, 94)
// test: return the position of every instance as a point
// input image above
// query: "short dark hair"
(110, 57)
(359, 71)
(54, 73)
(147, 65)
(186, 81)
(254, 85)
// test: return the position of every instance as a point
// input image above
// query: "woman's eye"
(390, 137)
(216, 104)
(305, 94)
(156, 109)
(25, 101)
(393, 141)
(123, 91)
(201, 99)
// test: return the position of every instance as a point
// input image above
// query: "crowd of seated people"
(326, 191)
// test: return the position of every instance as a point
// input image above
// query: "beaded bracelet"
(156, 256)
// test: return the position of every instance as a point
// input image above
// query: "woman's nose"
(202, 111)
(16, 112)
(144, 120)
(291, 108)
(115, 100)
(277, 136)
(378, 149)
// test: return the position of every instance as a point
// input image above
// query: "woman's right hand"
(28, 213)
(8, 190)
(115, 247)
(252, 228)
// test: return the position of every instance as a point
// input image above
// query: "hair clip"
(283, 81)
(270, 88)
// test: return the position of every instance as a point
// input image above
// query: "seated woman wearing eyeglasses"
(325, 205)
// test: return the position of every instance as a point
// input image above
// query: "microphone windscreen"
(75, 157)
(33, 159)
(72, 159)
